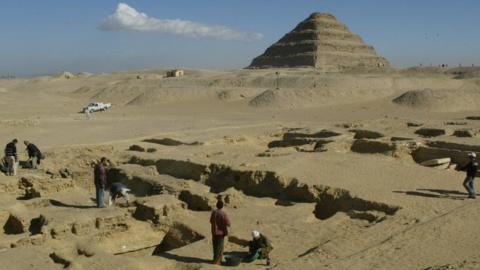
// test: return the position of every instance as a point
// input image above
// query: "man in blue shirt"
(471, 169)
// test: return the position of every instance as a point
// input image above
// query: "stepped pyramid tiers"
(321, 42)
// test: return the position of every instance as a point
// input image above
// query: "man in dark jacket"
(118, 190)
(100, 179)
(220, 223)
(11, 157)
(471, 169)
(34, 154)
(259, 248)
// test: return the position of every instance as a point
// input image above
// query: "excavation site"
(319, 147)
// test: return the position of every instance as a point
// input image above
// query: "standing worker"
(220, 224)
(11, 157)
(471, 169)
(100, 178)
(34, 154)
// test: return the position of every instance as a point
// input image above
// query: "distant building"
(175, 73)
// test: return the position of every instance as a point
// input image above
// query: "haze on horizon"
(44, 37)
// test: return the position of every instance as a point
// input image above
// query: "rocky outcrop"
(321, 42)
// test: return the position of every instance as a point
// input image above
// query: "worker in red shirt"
(220, 224)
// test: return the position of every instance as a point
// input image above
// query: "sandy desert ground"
(327, 166)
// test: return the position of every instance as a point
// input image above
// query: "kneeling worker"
(259, 248)
(118, 190)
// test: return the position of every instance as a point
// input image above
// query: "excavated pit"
(430, 132)
(296, 138)
(36, 225)
(179, 235)
(453, 146)
(19, 224)
(14, 225)
(366, 134)
(372, 147)
(195, 202)
(291, 142)
(318, 135)
(220, 177)
(170, 142)
(141, 186)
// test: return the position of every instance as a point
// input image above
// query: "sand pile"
(321, 42)
(298, 98)
(120, 93)
(301, 87)
(325, 91)
(465, 73)
(165, 95)
(64, 75)
(440, 100)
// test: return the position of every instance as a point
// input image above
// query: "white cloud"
(126, 18)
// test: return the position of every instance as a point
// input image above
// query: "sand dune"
(441, 100)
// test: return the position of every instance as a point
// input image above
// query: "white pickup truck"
(97, 106)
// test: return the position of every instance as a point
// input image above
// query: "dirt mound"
(440, 100)
(236, 94)
(165, 95)
(120, 92)
(64, 75)
(465, 72)
(297, 98)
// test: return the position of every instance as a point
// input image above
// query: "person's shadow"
(445, 192)
(238, 254)
(178, 258)
(436, 193)
(61, 204)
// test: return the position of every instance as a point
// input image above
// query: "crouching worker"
(118, 190)
(259, 248)
(34, 154)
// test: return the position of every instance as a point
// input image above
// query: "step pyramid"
(321, 42)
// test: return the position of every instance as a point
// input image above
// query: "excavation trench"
(290, 139)
(458, 153)
(178, 235)
(220, 177)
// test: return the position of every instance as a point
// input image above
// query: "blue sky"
(47, 36)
